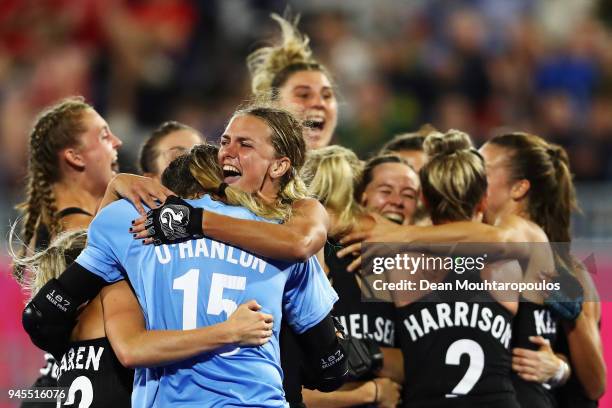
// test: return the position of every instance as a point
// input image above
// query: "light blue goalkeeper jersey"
(199, 283)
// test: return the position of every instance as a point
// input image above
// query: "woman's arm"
(393, 364)
(541, 365)
(351, 394)
(138, 190)
(504, 240)
(382, 392)
(297, 240)
(137, 347)
(584, 340)
(586, 354)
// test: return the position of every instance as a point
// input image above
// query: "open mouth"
(315, 123)
(231, 174)
(395, 217)
(115, 166)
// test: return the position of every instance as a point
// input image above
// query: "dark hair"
(546, 166)
(148, 151)
(408, 141)
(178, 178)
(368, 171)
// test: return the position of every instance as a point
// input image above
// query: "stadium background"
(477, 65)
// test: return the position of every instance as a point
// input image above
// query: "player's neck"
(69, 194)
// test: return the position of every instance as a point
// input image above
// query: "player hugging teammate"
(229, 302)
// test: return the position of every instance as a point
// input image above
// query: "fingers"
(356, 247)
(140, 221)
(167, 192)
(540, 341)
(253, 305)
(136, 201)
(529, 377)
(524, 353)
(149, 200)
(523, 364)
(355, 265)
(354, 237)
(142, 234)
(527, 371)
(263, 340)
(265, 334)
(142, 229)
(153, 190)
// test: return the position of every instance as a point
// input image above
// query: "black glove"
(565, 303)
(175, 221)
(364, 358)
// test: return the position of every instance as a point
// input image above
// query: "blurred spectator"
(543, 66)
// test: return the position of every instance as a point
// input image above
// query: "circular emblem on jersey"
(173, 220)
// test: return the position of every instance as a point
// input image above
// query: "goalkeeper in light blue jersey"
(198, 283)
(193, 283)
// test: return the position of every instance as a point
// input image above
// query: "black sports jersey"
(93, 375)
(533, 320)
(47, 373)
(456, 353)
(42, 232)
(48, 378)
(361, 319)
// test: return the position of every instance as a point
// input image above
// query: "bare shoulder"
(308, 205)
(312, 210)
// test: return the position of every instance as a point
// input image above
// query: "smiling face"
(98, 149)
(393, 192)
(246, 153)
(310, 96)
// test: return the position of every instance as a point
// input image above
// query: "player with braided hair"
(72, 157)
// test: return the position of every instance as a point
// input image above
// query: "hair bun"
(437, 143)
(266, 62)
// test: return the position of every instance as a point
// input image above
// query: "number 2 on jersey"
(474, 371)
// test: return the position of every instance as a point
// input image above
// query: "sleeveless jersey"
(93, 376)
(456, 353)
(48, 376)
(199, 283)
(532, 320)
(42, 232)
(361, 318)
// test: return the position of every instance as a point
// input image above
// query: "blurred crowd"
(543, 66)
